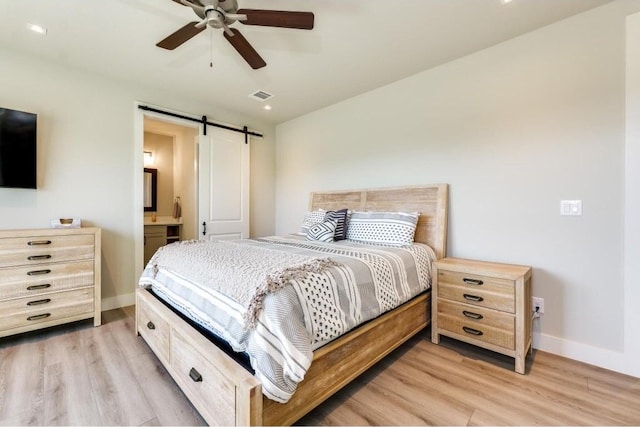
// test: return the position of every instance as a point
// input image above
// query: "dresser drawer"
(477, 290)
(154, 329)
(200, 379)
(35, 250)
(45, 308)
(19, 282)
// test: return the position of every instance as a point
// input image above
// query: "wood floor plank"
(22, 380)
(67, 402)
(120, 398)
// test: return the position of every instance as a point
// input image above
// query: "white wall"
(632, 198)
(88, 163)
(513, 129)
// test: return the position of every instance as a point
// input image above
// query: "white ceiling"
(356, 45)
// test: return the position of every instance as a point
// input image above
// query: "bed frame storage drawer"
(232, 398)
(155, 330)
(200, 379)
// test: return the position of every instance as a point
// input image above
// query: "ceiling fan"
(222, 13)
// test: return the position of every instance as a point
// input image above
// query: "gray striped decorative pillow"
(393, 228)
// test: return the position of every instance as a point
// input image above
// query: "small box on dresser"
(484, 304)
(49, 277)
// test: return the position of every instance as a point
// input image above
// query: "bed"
(226, 393)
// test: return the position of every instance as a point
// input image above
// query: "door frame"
(138, 158)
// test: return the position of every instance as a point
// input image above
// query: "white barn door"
(223, 185)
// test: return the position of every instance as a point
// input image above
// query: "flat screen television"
(17, 149)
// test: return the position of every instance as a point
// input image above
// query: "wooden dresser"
(485, 304)
(48, 277)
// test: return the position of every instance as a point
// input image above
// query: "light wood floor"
(80, 375)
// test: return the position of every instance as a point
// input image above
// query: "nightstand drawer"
(482, 297)
(475, 282)
(477, 316)
(477, 331)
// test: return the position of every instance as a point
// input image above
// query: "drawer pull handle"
(473, 298)
(39, 302)
(195, 375)
(472, 331)
(472, 315)
(38, 287)
(38, 257)
(38, 242)
(472, 281)
(39, 316)
(150, 325)
(38, 272)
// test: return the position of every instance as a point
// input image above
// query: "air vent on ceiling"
(261, 95)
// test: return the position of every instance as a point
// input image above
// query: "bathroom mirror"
(150, 190)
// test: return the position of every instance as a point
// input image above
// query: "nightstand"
(485, 304)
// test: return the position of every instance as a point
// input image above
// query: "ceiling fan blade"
(245, 50)
(278, 18)
(182, 35)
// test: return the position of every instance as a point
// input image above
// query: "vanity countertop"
(163, 220)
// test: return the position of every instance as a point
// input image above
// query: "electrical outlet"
(537, 303)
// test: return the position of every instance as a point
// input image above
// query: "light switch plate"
(571, 207)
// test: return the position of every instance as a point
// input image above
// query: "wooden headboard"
(430, 200)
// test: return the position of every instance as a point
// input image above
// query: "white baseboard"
(608, 359)
(118, 301)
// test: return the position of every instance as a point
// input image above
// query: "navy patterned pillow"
(322, 231)
(340, 217)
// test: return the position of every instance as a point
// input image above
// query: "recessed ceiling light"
(267, 107)
(37, 29)
(505, 1)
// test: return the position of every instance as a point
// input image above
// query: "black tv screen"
(17, 149)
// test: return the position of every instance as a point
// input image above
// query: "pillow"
(340, 217)
(322, 231)
(310, 218)
(395, 228)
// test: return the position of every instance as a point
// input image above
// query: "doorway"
(206, 172)
(167, 148)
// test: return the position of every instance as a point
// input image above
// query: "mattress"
(279, 298)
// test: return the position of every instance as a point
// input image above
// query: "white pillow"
(394, 228)
(310, 218)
